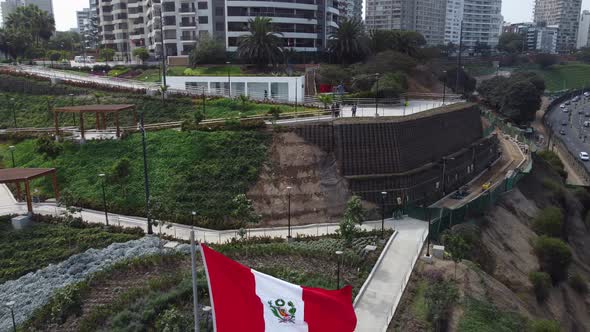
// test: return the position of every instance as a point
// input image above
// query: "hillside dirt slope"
(319, 194)
(507, 241)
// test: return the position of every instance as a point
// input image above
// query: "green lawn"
(189, 171)
(205, 71)
(149, 75)
(485, 317)
(480, 69)
(33, 248)
(562, 77)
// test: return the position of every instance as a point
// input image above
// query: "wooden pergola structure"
(100, 112)
(19, 175)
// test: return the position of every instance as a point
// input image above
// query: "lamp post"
(104, 198)
(146, 176)
(383, 195)
(444, 87)
(338, 257)
(207, 312)
(229, 77)
(11, 148)
(289, 212)
(428, 243)
(10, 305)
(193, 214)
(377, 95)
(163, 45)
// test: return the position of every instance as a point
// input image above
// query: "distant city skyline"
(514, 11)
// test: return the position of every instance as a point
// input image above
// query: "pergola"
(19, 175)
(100, 112)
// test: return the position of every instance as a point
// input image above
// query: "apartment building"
(480, 21)
(8, 7)
(305, 25)
(565, 14)
(352, 9)
(424, 16)
(583, 30)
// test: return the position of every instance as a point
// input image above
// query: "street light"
(338, 257)
(428, 244)
(207, 312)
(383, 195)
(229, 77)
(444, 87)
(10, 305)
(11, 148)
(377, 95)
(289, 212)
(104, 199)
(193, 214)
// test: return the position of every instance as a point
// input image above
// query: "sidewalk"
(376, 306)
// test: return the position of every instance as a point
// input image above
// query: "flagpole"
(194, 273)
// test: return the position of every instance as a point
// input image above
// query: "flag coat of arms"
(246, 300)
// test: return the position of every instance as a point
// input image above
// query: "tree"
(549, 222)
(107, 54)
(440, 297)
(262, 46)
(521, 101)
(14, 42)
(333, 74)
(457, 248)
(326, 100)
(583, 54)
(208, 51)
(48, 147)
(172, 320)
(530, 76)
(353, 216)
(511, 43)
(245, 102)
(120, 173)
(244, 212)
(541, 285)
(409, 42)
(349, 43)
(387, 62)
(554, 257)
(142, 54)
(38, 23)
(466, 83)
(546, 60)
(390, 85)
(54, 56)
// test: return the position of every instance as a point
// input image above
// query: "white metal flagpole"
(194, 274)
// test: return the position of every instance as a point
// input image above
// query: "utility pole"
(146, 178)
(194, 278)
(459, 57)
(163, 45)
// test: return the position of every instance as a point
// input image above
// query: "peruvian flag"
(245, 300)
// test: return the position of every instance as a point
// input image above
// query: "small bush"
(544, 326)
(549, 222)
(541, 285)
(440, 298)
(578, 283)
(554, 257)
(553, 160)
(583, 196)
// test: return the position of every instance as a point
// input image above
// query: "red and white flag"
(245, 300)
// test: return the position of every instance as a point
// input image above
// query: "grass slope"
(568, 76)
(189, 171)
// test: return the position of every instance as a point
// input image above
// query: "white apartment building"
(424, 16)
(562, 13)
(583, 30)
(305, 25)
(481, 21)
(124, 25)
(546, 38)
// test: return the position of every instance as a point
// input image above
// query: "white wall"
(252, 86)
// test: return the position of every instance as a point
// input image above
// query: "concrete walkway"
(376, 306)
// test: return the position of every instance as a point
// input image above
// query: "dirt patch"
(319, 193)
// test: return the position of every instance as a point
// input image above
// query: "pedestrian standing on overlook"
(354, 110)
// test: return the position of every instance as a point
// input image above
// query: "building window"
(219, 11)
(219, 26)
(202, 5)
(203, 19)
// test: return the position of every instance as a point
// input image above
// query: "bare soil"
(319, 193)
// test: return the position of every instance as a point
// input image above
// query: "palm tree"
(38, 23)
(262, 45)
(349, 42)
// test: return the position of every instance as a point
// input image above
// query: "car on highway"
(587, 94)
(565, 110)
(576, 99)
(584, 156)
(587, 114)
(564, 123)
(567, 103)
(562, 106)
(562, 132)
(586, 123)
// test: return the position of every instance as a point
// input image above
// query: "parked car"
(564, 123)
(584, 156)
(587, 94)
(587, 114)
(586, 123)
(562, 105)
(565, 110)
(576, 99)
(568, 103)
(562, 132)
(580, 112)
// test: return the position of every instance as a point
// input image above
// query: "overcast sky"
(513, 11)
